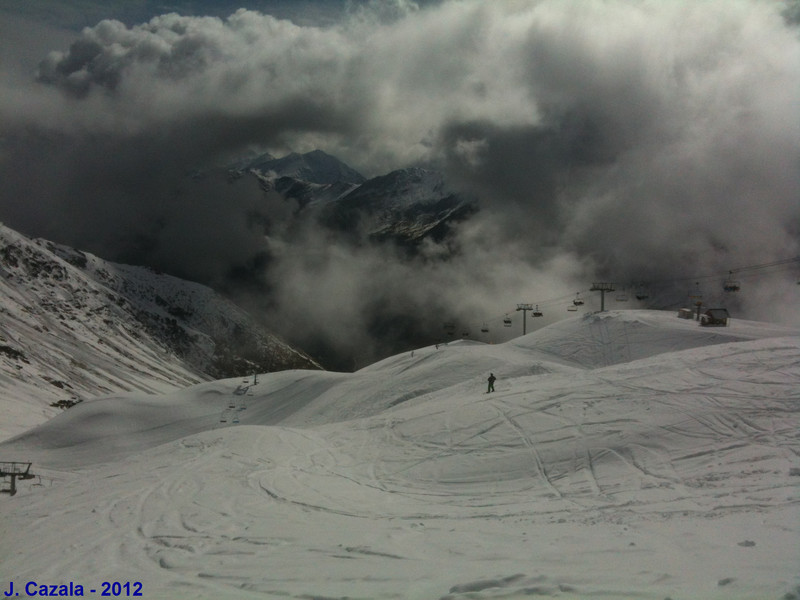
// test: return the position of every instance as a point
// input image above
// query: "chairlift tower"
(10, 471)
(697, 299)
(524, 308)
(602, 288)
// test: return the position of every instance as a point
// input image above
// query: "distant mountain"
(314, 167)
(75, 326)
(404, 206)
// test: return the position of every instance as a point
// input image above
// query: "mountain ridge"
(315, 166)
(76, 326)
(404, 206)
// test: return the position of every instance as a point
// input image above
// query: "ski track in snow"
(669, 475)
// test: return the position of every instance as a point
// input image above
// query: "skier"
(491, 381)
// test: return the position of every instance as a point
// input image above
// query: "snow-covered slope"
(75, 327)
(613, 337)
(657, 460)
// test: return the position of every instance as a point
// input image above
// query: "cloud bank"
(629, 140)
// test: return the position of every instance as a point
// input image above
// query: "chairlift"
(641, 293)
(485, 328)
(572, 308)
(730, 284)
(578, 301)
(236, 418)
(623, 297)
(223, 418)
(507, 320)
(537, 312)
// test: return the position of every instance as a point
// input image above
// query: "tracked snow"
(628, 454)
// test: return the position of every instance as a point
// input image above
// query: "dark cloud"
(632, 140)
(660, 137)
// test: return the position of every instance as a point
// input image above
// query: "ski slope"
(628, 454)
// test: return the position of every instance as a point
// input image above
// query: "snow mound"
(614, 337)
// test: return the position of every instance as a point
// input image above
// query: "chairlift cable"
(755, 267)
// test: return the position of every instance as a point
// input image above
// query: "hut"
(714, 317)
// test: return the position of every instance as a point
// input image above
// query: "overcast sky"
(631, 140)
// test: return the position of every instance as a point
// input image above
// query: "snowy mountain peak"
(404, 206)
(402, 188)
(314, 167)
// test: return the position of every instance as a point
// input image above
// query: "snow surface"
(624, 455)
